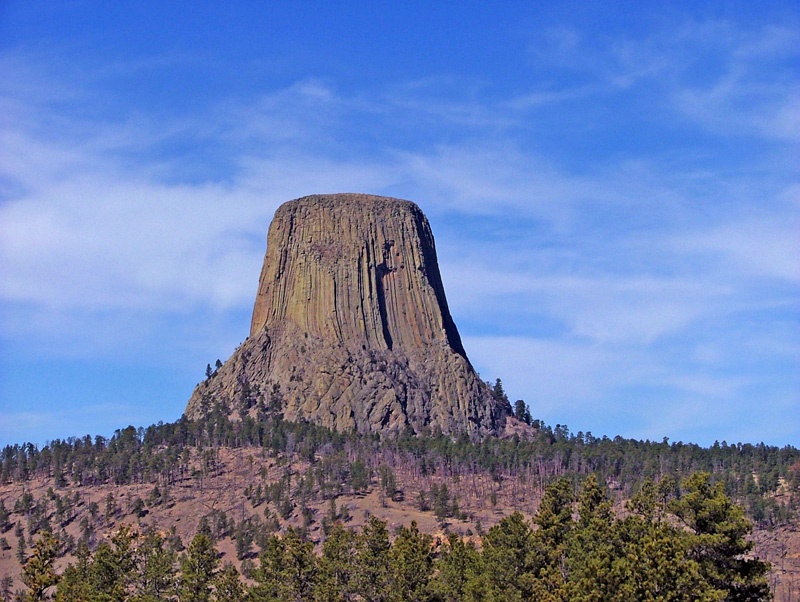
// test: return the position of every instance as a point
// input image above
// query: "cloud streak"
(630, 286)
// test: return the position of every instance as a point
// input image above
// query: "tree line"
(672, 543)
(165, 454)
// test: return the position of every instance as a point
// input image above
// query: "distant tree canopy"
(751, 473)
(686, 547)
(522, 412)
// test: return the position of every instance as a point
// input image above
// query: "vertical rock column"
(352, 325)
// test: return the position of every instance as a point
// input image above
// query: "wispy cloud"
(722, 76)
(654, 283)
(758, 246)
(88, 419)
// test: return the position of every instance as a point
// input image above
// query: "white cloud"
(91, 419)
(603, 308)
(734, 96)
(116, 243)
(724, 77)
(606, 271)
(558, 373)
(635, 391)
(758, 246)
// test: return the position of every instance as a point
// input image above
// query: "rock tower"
(351, 328)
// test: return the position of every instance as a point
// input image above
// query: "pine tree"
(112, 568)
(593, 552)
(300, 571)
(458, 564)
(441, 501)
(719, 540)
(6, 583)
(652, 562)
(229, 587)
(550, 542)
(75, 584)
(21, 548)
(506, 561)
(5, 524)
(198, 570)
(522, 412)
(372, 562)
(638, 558)
(411, 564)
(155, 570)
(286, 571)
(499, 394)
(268, 576)
(335, 566)
(38, 573)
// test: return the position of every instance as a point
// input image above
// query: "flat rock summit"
(351, 329)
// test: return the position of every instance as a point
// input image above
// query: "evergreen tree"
(6, 583)
(244, 539)
(5, 524)
(441, 501)
(155, 576)
(301, 567)
(508, 572)
(633, 559)
(651, 562)
(499, 394)
(38, 573)
(359, 476)
(287, 568)
(522, 412)
(550, 541)
(21, 547)
(335, 566)
(458, 564)
(199, 567)
(372, 562)
(719, 540)
(75, 585)
(411, 565)
(388, 480)
(268, 577)
(229, 587)
(112, 567)
(593, 551)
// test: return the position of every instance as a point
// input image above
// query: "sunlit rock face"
(351, 328)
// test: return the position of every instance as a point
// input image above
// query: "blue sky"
(614, 192)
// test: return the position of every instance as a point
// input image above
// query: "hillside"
(244, 481)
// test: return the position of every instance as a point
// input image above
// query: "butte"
(351, 329)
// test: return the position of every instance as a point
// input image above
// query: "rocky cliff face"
(351, 328)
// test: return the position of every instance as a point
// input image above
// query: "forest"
(752, 473)
(687, 548)
(578, 517)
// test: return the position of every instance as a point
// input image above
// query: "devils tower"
(351, 328)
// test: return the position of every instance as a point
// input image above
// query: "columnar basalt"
(351, 328)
